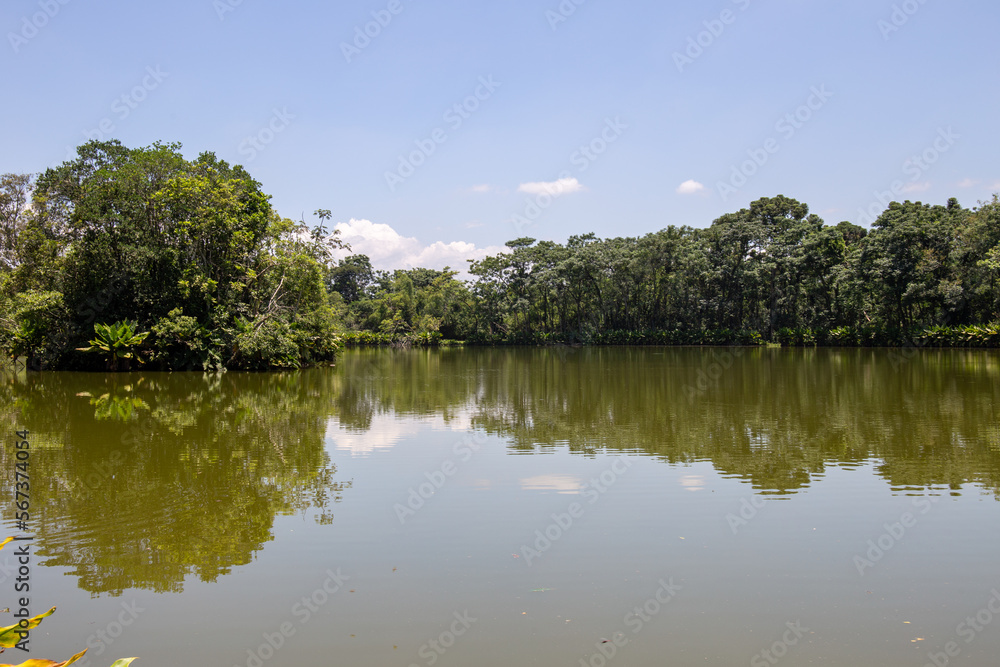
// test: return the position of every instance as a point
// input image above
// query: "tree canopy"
(192, 252)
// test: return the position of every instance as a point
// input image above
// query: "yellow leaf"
(48, 663)
(9, 637)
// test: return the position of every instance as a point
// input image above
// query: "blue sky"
(571, 118)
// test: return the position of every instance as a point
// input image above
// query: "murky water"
(561, 506)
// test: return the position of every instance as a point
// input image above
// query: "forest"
(126, 257)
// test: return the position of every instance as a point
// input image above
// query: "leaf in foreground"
(9, 637)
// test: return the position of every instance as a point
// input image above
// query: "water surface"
(519, 506)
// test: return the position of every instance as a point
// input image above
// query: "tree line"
(772, 272)
(145, 257)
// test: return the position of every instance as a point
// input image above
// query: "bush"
(182, 344)
(35, 325)
(265, 345)
(117, 343)
(317, 336)
(796, 337)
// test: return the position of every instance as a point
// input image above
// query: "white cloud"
(389, 250)
(385, 432)
(563, 186)
(917, 187)
(690, 187)
(995, 187)
(481, 189)
(968, 183)
(557, 483)
(693, 482)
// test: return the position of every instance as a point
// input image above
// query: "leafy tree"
(144, 234)
(352, 277)
(15, 195)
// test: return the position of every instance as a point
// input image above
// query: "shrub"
(117, 343)
(267, 344)
(182, 344)
(35, 326)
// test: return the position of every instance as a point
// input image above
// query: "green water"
(517, 507)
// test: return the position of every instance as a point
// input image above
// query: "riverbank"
(971, 336)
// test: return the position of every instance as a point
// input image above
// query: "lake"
(553, 506)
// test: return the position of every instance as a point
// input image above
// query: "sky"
(435, 132)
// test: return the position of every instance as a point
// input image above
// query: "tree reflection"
(143, 480)
(776, 418)
(140, 481)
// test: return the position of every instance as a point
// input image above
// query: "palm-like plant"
(117, 342)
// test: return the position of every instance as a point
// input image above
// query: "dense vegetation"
(142, 239)
(770, 273)
(185, 265)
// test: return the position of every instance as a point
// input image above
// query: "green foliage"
(795, 337)
(382, 339)
(193, 251)
(34, 325)
(183, 344)
(15, 194)
(268, 344)
(772, 269)
(190, 249)
(419, 301)
(352, 277)
(770, 273)
(117, 343)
